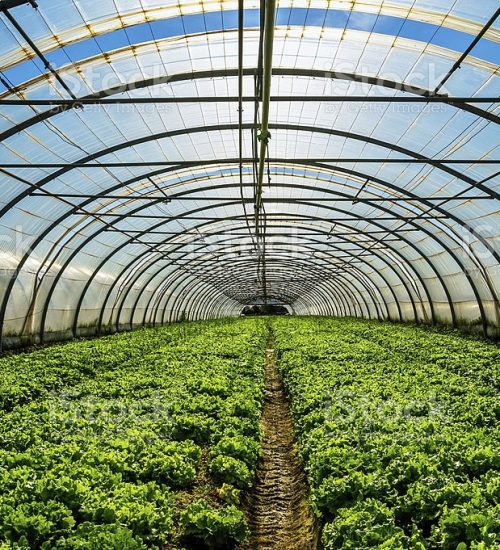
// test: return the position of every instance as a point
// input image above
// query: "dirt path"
(279, 515)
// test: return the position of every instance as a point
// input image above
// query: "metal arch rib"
(320, 297)
(187, 287)
(402, 259)
(192, 283)
(317, 276)
(405, 261)
(306, 240)
(288, 269)
(204, 301)
(223, 127)
(138, 274)
(327, 167)
(174, 273)
(326, 303)
(324, 167)
(124, 216)
(354, 273)
(380, 226)
(437, 274)
(311, 73)
(330, 168)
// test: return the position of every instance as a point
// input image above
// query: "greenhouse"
(249, 274)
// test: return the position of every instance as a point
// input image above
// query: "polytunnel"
(165, 160)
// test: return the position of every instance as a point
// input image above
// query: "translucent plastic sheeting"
(112, 247)
(67, 28)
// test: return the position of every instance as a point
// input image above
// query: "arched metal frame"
(286, 269)
(308, 240)
(203, 300)
(295, 288)
(166, 281)
(161, 199)
(227, 73)
(321, 298)
(380, 226)
(128, 267)
(323, 219)
(165, 285)
(420, 252)
(221, 127)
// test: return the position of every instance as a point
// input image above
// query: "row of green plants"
(398, 431)
(140, 440)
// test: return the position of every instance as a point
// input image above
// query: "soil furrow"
(279, 515)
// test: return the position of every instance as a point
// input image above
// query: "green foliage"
(34, 523)
(369, 524)
(217, 528)
(231, 470)
(229, 494)
(145, 509)
(174, 463)
(398, 430)
(103, 443)
(468, 524)
(237, 446)
(105, 537)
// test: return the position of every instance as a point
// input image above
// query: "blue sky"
(226, 20)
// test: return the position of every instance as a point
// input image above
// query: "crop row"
(139, 440)
(398, 430)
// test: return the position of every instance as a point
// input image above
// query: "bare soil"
(278, 512)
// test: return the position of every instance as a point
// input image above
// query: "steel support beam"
(420, 253)
(308, 244)
(38, 53)
(227, 73)
(76, 103)
(210, 162)
(468, 50)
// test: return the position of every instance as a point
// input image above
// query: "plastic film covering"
(126, 200)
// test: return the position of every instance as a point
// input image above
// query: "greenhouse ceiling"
(170, 160)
